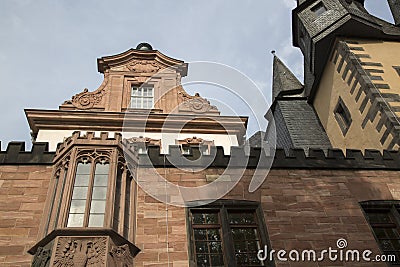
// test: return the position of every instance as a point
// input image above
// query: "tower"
(351, 71)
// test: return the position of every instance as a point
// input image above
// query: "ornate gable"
(132, 69)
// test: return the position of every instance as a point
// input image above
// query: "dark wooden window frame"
(392, 207)
(397, 69)
(342, 116)
(223, 206)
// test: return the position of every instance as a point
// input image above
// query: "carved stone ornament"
(195, 103)
(192, 141)
(41, 258)
(144, 140)
(121, 256)
(81, 252)
(86, 99)
(144, 66)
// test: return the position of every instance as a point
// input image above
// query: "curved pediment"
(138, 60)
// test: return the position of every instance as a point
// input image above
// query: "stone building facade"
(79, 197)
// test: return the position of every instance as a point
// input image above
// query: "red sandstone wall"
(303, 209)
(23, 191)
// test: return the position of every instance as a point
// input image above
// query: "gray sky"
(48, 49)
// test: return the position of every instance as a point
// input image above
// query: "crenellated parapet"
(16, 154)
(257, 158)
(241, 157)
(105, 139)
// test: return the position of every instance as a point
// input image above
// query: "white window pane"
(142, 98)
(82, 180)
(96, 220)
(99, 193)
(75, 220)
(83, 168)
(134, 102)
(98, 206)
(101, 180)
(77, 206)
(80, 193)
(102, 168)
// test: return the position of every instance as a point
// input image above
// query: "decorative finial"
(144, 46)
(273, 52)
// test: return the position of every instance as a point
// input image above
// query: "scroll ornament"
(86, 99)
(196, 103)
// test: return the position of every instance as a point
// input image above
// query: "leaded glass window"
(384, 219)
(226, 236)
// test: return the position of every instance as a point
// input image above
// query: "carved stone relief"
(41, 258)
(80, 252)
(144, 66)
(192, 141)
(86, 99)
(121, 256)
(144, 140)
(195, 103)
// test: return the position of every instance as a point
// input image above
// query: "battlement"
(295, 159)
(16, 154)
(86, 138)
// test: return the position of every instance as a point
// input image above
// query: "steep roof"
(284, 81)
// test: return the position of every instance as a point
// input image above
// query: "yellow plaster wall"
(333, 86)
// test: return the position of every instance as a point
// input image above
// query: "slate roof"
(298, 126)
(284, 81)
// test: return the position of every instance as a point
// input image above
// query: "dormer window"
(185, 149)
(203, 145)
(319, 9)
(142, 97)
(141, 143)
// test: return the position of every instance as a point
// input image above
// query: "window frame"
(397, 69)
(343, 116)
(90, 188)
(392, 207)
(224, 207)
(141, 97)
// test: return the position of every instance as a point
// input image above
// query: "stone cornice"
(107, 62)
(134, 121)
